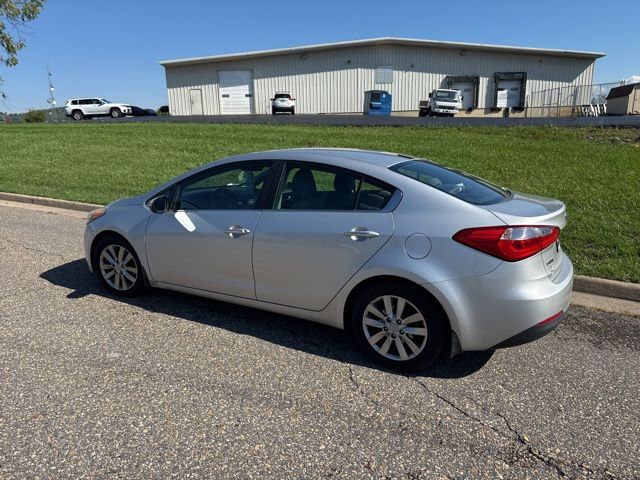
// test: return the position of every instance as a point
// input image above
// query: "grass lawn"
(596, 172)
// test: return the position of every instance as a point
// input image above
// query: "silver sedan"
(416, 260)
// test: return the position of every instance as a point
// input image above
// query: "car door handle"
(360, 233)
(235, 231)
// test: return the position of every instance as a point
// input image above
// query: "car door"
(325, 224)
(204, 242)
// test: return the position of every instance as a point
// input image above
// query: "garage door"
(509, 93)
(466, 89)
(236, 92)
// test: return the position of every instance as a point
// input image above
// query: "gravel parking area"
(170, 385)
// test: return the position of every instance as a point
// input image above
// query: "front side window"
(454, 182)
(313, 187)
(233, 187)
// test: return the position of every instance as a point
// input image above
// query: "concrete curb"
(607, 288)
(49, 202)
(593, 285)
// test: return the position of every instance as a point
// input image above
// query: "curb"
(581, 283)
(49, 202)
(607, 288)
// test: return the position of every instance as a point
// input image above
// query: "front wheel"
(399, 326)
(77, 115)
(115, 113)
(118, 267)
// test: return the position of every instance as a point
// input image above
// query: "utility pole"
(52, 99)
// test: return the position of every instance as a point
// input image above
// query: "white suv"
(79, 108)
(283, 102)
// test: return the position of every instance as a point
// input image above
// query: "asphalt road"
(632, 121)
(175, 386)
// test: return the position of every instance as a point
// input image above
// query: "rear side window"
(454, 182)
(320, 187)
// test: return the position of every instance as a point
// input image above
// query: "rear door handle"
(235, 231)
(361, 233)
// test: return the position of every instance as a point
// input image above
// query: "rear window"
(283, 95)
(454, 182)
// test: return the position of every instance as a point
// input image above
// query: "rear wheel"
(293, 111)
(399, 326)
(77, 115)
(118, 267)
(115, 113)
(273, 111)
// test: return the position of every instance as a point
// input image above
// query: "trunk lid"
(525, 209)
(533, 210)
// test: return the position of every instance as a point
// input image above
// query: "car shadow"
(279, 329)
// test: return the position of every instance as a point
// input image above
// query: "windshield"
(447, 96)
(461, 185)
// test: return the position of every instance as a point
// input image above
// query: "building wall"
(334, 81)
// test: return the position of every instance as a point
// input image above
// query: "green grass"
(596, 172)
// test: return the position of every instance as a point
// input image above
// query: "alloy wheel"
(118, 267)
(395, 328)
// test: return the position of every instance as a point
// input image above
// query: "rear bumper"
(505, 307)
(531, 334)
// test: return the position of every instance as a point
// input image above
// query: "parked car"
(164, 110)
(142, 112)
(417, 260)
(283, 102)
(80, 108)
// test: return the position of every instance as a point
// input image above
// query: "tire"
(385, 338)
(293, 111)
(77, 115)
(273, 111)
(429, 112)
(115, 113)
(118, 267)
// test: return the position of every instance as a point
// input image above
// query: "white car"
(283, 102)
(79, 108)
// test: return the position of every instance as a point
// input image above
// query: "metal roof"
(412, 42)
(622, 91)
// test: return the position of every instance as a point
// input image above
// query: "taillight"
(509, 243)
(293, 99)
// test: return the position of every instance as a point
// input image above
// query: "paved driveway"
(170, 385)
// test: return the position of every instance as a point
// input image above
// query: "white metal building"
(332, 78)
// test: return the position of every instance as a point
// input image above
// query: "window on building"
(384, 74)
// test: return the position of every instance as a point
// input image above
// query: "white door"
(195, 98)
(236, 92)
(509, 93)
(466, 90)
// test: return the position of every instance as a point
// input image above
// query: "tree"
(14, 15)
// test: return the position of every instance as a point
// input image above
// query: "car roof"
(382, 159)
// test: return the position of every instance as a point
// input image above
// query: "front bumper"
(89, 235)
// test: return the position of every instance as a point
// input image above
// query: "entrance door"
(509, 93)
(195, 97)
(236, 92)
(467, 91)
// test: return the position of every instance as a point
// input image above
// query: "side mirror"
(158, 204)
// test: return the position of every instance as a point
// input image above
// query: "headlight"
(95, 214)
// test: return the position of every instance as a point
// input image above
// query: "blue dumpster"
(377, 102)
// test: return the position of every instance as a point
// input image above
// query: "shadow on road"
(289, 332)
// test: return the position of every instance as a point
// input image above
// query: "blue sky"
(112, 48)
